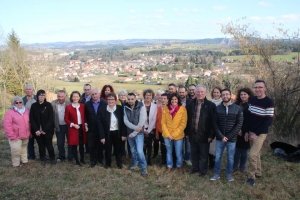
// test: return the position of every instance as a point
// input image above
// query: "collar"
(111, 110)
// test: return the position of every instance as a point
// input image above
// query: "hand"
(102, 141)
(86, 129)
(224, 139)
(246, 137)
(42, 132)
(170, 137)
(146, 132)
(253, 136)
(38, 133)
(16, 140)
(138, 129)
(123, 138)
(130, 135)
(76, 126)
(209, 140)
(240, 133)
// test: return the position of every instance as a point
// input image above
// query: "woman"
(17, 129)
(105, 90)
(174, 119)
(112, 129)
(75, 119)
(242, 143)
(149, 127)
(216, 99)
(42, 126)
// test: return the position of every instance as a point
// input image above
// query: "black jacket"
(41, 115)
(92, 117)
(205, 125)
(241, 143)
(228, 125)
(104, 122)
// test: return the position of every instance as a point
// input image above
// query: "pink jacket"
(16, 126)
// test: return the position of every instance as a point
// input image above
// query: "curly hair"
(102, 94)
(174, 95)
(246, 90)
(150, 91)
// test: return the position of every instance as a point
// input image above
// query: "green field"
(277, 58)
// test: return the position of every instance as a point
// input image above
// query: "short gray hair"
(201, 85)
(122, 92)
(61, 91)
(96, 90)
(160, 91)
(15, 99)
(28, 85)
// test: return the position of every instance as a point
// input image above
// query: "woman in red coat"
(77, 127)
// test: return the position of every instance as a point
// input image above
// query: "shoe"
(78, 163)
(194, 171)
(133, 167)
(60, 159)
(26, 164)
(258, 177)
(144, 172)
(168, 170)
(43, 162)
(215, 177)
(251, 182)
(120, 166)
(188, 162)
(202, 175)
(235, 170)
(229, 177)
(92, 165)
(180, 170)
(82, 161)
(107, 166)
(47, 158)
(101, 162)
(53, 162)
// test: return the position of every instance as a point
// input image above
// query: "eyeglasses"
(110, 99)
(42, 95)
(260, 87)
(18, 102)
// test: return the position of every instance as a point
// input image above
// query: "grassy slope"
(276, 58)
(67, 181)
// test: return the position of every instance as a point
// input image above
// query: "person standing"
(261, 116)
(17, 129)
(174, 119)
(199, 129)
(227, 122)
(41, 120)
(92, 112)
(28, 100)
(134, 118)
(112, 129)
(61, 128)
(192, 94)
(77, 127)
(106, 89)
(172, 88)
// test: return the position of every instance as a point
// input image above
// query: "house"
(207, 73)
(75, 61)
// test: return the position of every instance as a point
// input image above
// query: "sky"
(42, 21)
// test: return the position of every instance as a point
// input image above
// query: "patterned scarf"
(173, 110)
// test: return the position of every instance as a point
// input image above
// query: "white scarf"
(20, 110)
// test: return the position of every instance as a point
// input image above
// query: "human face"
(131, 100)
(75, 98)
(61, 97)
(216, 94)
(122, 97)
(148, 97)
(174, 101)
(95, 95)
(41, 98)
(192, 90)
(158, 97)
(18, 104)
(244, 97)
(226, 96)
(87, 90)
(260, 90)
(200, 93)
(172, 89)
(164, 100)
(29, 91)
(107, 90)
(182, 93)
(111, 101)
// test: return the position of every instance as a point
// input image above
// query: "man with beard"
(192, 94)
(227, 122)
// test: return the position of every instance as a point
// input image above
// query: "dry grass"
(67, 181)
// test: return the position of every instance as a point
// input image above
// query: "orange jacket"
(158, 127)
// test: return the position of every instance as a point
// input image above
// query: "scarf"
(20, 110)
(173, 110)
(217, 101)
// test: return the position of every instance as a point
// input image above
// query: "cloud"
(219, 7)
(154, 16)
(159, 10)
(175, 9)
(132, 10)
(256, 18)
(264, 4)
(294, 17)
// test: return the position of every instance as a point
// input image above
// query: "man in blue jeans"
(134, 118)
(227, 122)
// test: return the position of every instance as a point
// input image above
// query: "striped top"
(261, 114)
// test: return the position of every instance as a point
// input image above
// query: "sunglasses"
(18, 102)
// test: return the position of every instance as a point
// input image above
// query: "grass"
(67, 181)
(277, 58)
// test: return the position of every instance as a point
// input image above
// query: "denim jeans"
(61, 137)
(220, 146)
(178, 150)
(186, 151)
(240, 157)
(136, 147)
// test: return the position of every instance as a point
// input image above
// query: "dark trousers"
(163, 149)
(200, 152)
(113, 140)
(81, 147)
(61, 138)
(95, 147)
(30, 148)
(123, 148)
(155, 146)
(45, 141)
(148, 139)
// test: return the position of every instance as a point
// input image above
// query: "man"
(186, 151)
(172, 88)
(61, 128)
(200, 129)
(261, 116)
(28, 100)
(92, 110)
(227, 122)
(134, 118)
(192, 88)
(86, 96)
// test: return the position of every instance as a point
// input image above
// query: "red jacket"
(16, 126)
(71, 117)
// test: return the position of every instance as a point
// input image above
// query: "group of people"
(181, 122)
